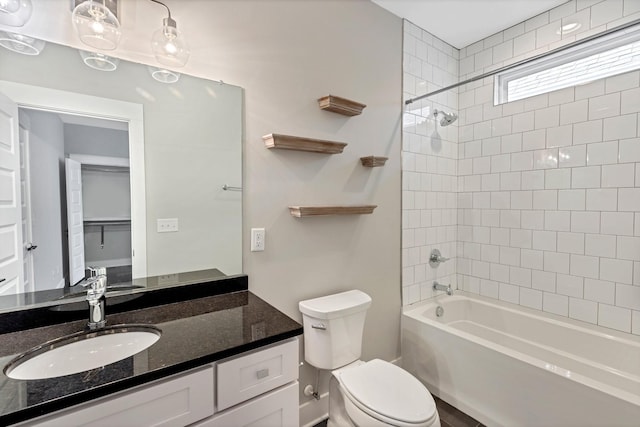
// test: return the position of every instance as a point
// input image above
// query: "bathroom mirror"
(175, 147)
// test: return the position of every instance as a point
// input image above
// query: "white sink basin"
(82, 352)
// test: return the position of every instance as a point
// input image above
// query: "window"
(615, 53)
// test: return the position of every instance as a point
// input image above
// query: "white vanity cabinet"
(176, 401)
(257, 388)
(277, 408)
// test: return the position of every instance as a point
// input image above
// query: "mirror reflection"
(120, 165)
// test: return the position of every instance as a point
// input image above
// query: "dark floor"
(452, 417)
(449, 416)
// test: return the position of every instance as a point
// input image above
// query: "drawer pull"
(319, 326)
(262, 373)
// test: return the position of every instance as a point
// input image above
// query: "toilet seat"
(388, 393)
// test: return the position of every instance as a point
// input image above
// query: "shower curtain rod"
(526, 61)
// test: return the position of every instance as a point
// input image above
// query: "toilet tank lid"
(336, 305)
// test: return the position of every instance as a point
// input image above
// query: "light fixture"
(96, 25)
(15, 13)
(99, 61)
(568, 28)
(164, 76)
(168, 44)
(20, 43)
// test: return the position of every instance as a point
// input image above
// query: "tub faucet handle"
(436, 258)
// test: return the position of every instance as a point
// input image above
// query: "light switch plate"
(167, 225)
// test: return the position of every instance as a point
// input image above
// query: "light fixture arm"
(168, 21)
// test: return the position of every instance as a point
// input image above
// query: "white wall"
(81, 139)
(547, 211)
(287, 54)
(429, 165)
(46, 149)
(550, 185)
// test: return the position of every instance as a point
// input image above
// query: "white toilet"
(362, 394)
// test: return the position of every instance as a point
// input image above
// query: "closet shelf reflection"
(107, 221)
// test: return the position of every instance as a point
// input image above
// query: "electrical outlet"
(167, 225)
(168, 279)
(257, 239)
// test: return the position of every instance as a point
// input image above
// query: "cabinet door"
(175, 402)
(278, 408)
(242, 378)
(11, 249)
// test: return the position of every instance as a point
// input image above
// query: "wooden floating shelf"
(373, 161)
(301, 211)
(287, 142)
(343, 106)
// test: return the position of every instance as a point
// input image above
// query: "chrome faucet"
(438, 287)
(97, 284)
(435, 258)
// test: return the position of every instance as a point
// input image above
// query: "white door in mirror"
(11, 271)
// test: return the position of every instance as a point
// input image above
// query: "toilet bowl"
(361, 394)
(378, 393)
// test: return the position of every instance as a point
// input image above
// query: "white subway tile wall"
(430, 164)
(542, 207)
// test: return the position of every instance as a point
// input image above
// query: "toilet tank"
(333, 327)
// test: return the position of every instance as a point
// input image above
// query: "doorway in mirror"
(76, 198)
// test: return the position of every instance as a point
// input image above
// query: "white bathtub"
(507, 366)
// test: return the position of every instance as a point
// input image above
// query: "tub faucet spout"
(438, 287)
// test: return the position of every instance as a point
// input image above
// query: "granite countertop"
(53, 297)
(194, 332)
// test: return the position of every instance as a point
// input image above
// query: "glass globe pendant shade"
(99, 61)
(15, 13)
(96, 25)
(20, 43)
(163, 75)
(169, 46)
(9, 6)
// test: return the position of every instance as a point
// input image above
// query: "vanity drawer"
(245, 377)
(278, 408)
(175, 402)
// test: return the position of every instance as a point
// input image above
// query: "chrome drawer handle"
(262, 373)
(319, 326)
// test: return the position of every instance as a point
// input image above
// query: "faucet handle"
(97, 271)
(98, 287)
(93, 271)
(436, 258)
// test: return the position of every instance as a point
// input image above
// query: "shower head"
(446, 119)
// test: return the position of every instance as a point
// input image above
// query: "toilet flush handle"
(319, 326)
